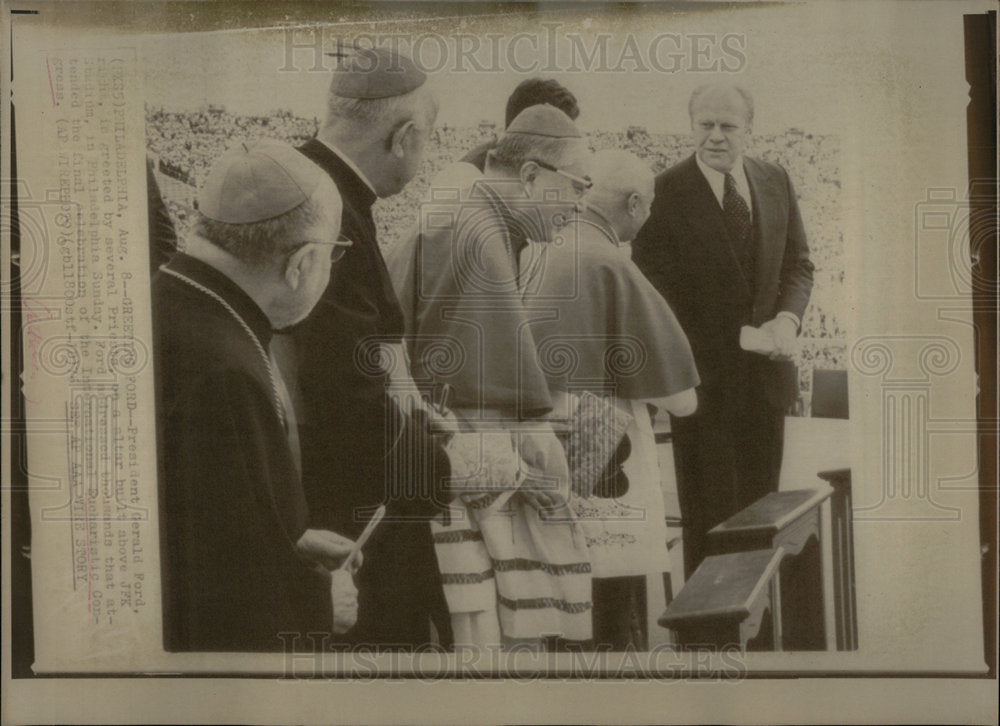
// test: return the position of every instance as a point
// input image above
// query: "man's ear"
(401, 138)
(528, 172)
(633, 203)
(298, 265)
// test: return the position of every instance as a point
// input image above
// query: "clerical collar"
(717, 180)
(194, 270)
(349, 163)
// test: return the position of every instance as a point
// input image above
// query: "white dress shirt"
(717, 180)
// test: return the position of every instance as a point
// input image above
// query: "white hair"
(723, 87)
(617, 174)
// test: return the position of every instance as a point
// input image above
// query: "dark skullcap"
(256, 182)
(369, 73)
(544, 120)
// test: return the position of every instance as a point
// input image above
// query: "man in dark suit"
(380, 114)
(726, 247)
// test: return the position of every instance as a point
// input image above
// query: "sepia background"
(864, 105)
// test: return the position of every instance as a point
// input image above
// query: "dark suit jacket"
(686, 251)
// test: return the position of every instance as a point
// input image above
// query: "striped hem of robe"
(457, 535)
(539, 603)
(518, 564)
(465, 578)
(521, 564)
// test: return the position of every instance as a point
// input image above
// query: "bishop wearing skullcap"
(255, 184)
(370, 73)
(529, 92)
(462, 276)
(238, 549)
(380, 114)
(544, 120)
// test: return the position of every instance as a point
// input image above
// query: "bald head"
(618, 173)
(622, 191)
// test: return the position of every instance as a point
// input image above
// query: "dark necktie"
(737, 212)
(740, 228)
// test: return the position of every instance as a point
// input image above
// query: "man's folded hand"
(326, 548)
(782, 330)
(546, 473)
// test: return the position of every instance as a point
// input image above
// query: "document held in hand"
(756, 340)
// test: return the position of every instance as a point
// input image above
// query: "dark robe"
(232, 506)
(348, 428)
(347, 413)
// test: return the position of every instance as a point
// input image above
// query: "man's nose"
(716, 134)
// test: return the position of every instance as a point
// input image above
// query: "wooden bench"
(730, 600)
(789, 520)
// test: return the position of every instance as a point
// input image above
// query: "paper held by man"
(756, 341)
(385, 380)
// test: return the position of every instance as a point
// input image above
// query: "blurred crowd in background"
(184, 144)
